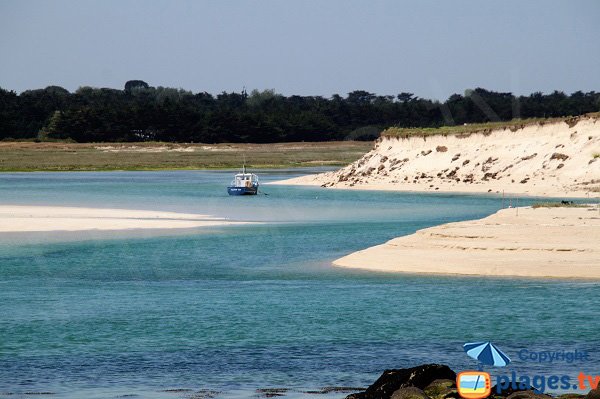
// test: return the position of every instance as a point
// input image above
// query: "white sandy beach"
(558, 159)
(18, 219)
(524, 242)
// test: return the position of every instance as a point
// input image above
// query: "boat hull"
(242, 190)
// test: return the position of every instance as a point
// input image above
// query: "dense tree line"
(141, 113)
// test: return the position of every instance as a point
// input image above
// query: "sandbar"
(19, 219)
(562, 242)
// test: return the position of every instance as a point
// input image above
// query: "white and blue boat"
(243, 184)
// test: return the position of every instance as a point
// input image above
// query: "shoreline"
(313, 181)
(17, 219)
(515, 242)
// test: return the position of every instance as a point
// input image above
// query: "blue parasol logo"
(486, 353)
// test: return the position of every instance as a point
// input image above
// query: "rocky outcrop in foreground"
(410, 383)
(435, 381)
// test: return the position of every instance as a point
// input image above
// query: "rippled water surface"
(235, 309)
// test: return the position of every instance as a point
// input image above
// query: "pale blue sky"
(306, 47)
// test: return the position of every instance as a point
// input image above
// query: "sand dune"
(525, 242)
(15, 218)
(552, 159)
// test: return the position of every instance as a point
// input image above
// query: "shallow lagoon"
(239, 308)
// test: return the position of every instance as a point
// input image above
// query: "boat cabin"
(245, 180)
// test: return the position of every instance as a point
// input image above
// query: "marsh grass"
(46, 156)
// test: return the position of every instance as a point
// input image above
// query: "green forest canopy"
(144, 113)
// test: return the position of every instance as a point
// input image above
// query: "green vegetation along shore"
(471, 128)
(30, 156)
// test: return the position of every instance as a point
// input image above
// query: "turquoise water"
(234, 309)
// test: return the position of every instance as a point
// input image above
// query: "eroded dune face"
(560, 158)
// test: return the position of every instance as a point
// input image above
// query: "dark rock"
(440, 389)
(392, 380)
(409, 393)
(571, 396)
(593, 394)
(326, 390)
(510, 390)
(558, 155)
(489, 175)
(528, 157)
(528, 395)
(177, 390)
(203, 394)
(271, 392)
(487, 164)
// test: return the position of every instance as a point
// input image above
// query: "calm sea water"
(240, 308)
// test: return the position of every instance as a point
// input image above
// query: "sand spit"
(552, 159)
(524, 242)
(16, 219)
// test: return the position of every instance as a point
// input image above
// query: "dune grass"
(61, 156)
(472, 128)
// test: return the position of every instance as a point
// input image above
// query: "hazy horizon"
(305, 48)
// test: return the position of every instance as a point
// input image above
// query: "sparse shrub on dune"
(562, 204)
